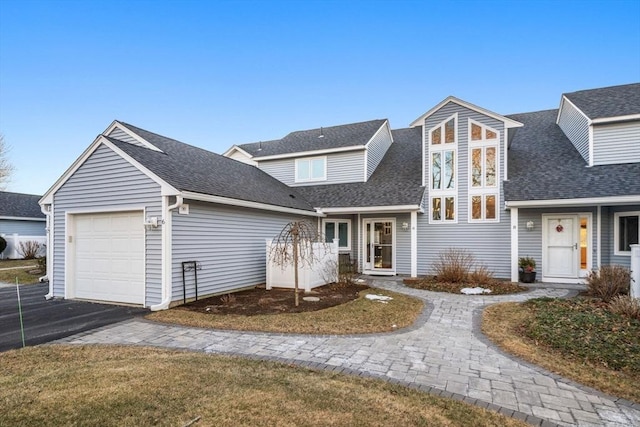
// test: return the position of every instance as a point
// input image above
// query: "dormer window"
(311, 169)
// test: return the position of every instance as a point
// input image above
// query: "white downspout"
(167, 255)
(47, 274)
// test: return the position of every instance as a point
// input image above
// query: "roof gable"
(20, 205)
(607, 102)
(118, 130)
(508, 123)
(325, 139)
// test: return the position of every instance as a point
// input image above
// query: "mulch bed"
(431, 284)
(276, 301)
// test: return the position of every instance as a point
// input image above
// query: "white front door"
(561, 247)
(379, 246)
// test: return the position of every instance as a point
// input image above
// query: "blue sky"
(218, 73)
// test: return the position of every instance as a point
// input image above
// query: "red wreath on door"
(559, 228)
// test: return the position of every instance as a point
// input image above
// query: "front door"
(379, 241)
(561, 246)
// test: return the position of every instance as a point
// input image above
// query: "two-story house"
(561, 185)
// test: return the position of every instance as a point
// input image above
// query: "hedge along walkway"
(444, 354)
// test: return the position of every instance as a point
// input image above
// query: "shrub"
(610, 281)
(228, 299)
(481, 276)
(42, 264)
(3, 244)
(453, 265)
(527, 264)
(626, 306)
(30, 249)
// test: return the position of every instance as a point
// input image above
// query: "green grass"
(578, 339)
(355, 317)
(585, 330)
(134, 386)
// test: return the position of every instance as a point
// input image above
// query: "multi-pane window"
(442, 164)
(627, 231)
(338, 229)
(311, 169)
(483, 172)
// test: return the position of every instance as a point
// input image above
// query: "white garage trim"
(130, 217)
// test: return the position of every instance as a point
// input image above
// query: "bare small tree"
(294, 245)
(5, 167)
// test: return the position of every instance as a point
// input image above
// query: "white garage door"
(109, 257)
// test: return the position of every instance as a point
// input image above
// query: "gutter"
(167, 256)
(47, 275)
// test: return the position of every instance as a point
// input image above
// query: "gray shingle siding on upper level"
(349, 135)
(613, 101)
(616, 143)
(544, 165)
(576, 127)
(395, 182)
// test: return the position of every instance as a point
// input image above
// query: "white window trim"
(449, 192)
(616, 231)
(310, 159)
(337, 221)
(483, 191)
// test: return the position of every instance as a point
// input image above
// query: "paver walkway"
(444, 353)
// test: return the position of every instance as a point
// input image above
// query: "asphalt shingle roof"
(396, 181)
(20, 205)
(543, 165)
(349, 135)
(610, 101)
(189, 168)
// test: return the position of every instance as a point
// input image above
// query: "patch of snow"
(360, 280)
(475, 291)
(381, 298)
(312, 299)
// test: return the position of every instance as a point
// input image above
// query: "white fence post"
(635, 271)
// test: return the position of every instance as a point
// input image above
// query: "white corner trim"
(308, 153)
(247, 204)
(514, 245)
(613, 200)
(132, 134)
(383, 126)
(598, 237)
(414, 244)
(508, 123)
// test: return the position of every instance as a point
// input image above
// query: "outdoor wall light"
(152, 222)
(529, 225)
(405, 226)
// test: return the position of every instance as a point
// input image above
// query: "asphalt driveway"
(46, 321)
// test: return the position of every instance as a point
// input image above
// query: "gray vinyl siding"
(228, 242)
(23, 227)
(530, 241)
(377, 148)
(608, 227)
(489, 242)
(107, 181)
(121, 135)
(618, 143)
(576, 127)
(341, 168)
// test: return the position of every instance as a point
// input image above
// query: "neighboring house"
(20, 215)
(562, 186)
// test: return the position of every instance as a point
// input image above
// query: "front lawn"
(133, 386)
(577, 338)
(358, 316)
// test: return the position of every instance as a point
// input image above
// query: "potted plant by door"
(527, 269)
